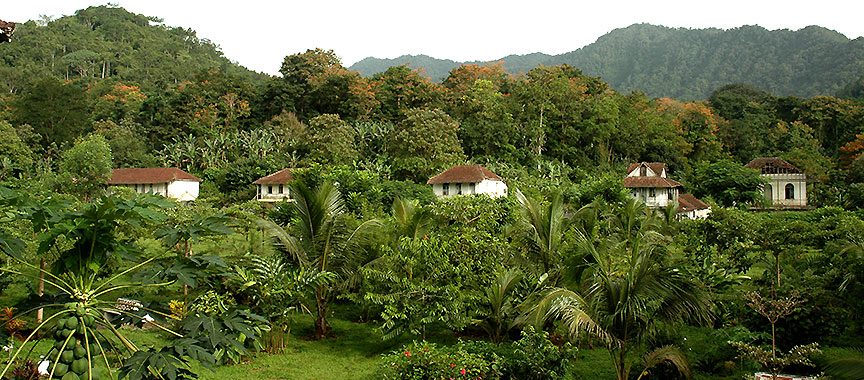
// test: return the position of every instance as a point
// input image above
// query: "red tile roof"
(464, 174)
(631, 182)
(282, 176)
(687, 202)
(149, 175)
(772, 165)
(656, 167)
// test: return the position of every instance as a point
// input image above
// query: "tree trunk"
(322, 327)
(40, 312)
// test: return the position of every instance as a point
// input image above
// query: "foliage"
(627, 291)
(425, 360)
(424, 142)
(321, 238)
(727, 182)
(87, 166)
(419, 283)
(535, 357)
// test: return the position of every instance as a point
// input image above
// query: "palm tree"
(499, 309)
(411, 220)
(626, 292)
(543, 227)
(322, 240)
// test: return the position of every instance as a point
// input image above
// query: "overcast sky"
(259, 34)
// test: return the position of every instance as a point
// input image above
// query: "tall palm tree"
(322, 240)
(627, 292)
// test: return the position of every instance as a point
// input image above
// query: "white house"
(692, 207)
(468, 179)
(274, 187)
(647, 182)
(167, 182)
(787, 185)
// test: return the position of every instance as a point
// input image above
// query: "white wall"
(265, 195)
(777, 190)
(492, 188)
(183, 191)
(661, 196)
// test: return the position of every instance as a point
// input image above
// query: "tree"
(15, 155)
(751, 114)
(319, 84)
(322, 239)
(488, 128)
(417, 284)
(86, 167)
(400, 89)
(626, 290)
(727, 182)
(424, 143)
(59, 112)
(330, 140)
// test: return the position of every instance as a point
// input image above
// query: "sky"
(259, 34)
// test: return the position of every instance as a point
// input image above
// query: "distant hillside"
(109, 42)
(691, 63)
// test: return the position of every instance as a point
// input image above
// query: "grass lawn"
(352, 354)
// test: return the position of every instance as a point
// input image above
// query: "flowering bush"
(423, 361)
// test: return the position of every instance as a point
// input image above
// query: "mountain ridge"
(689, 63)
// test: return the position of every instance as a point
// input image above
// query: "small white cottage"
(274, 187)
(787, 185)
(167, 182)
(468, 179)
(647, 182)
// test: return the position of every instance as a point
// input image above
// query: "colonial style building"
(468, 179)
(786, 185)
(167, 182)
(274, 187)
(647, 182)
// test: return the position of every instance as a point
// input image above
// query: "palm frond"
(667, 354)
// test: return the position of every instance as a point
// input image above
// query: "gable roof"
(687, 202)
(656, 167)
(282, 176)
(639, 181)
(772, 165)
(464, 174)
(149, 175)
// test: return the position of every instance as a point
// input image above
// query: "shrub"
(423, 360)
(536, 357)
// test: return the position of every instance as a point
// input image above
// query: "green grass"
(351, 354)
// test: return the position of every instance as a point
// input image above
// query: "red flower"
(463, 371)
(407, 353)
(452, 365)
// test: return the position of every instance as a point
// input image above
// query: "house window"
(471, 189)
(281, 189)
(459, 188)
(643, 171)
(445, 189)
(652, 192)
(790, 191)
(269, 189)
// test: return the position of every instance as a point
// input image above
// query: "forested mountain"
(690, 63)
(109, 42)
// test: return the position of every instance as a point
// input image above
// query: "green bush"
(423, 360)
(536, 357)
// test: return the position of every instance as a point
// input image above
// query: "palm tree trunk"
(322, 327)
